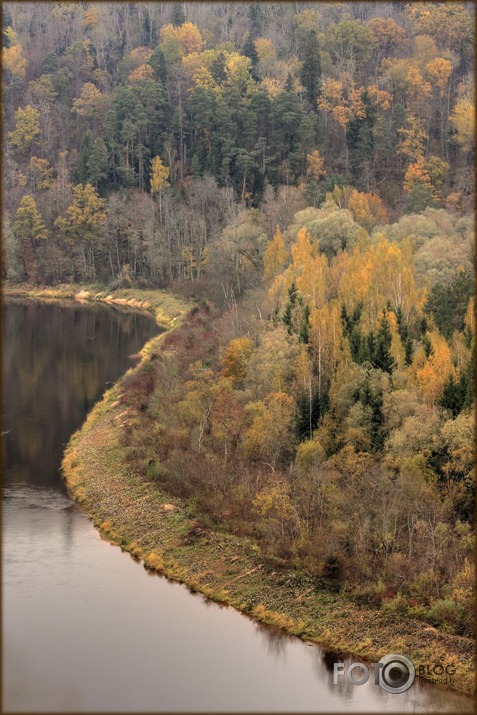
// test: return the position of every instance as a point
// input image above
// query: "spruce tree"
(178, 16)
(452, 397)
(305, 326)
(159, 65)
(382, 357)
(361, 145)
(250, 51)
(287, 316)
(310, 74)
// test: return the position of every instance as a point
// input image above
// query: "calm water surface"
(85, 628)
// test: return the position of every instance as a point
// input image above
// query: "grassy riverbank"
(167, 534)
(165, 307)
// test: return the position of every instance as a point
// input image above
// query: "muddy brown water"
(86, 628)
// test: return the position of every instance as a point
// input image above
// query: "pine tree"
(310, 73)
(97, 163)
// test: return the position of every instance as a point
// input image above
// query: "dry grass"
(166, 308)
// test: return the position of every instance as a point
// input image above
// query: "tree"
(98, 163)
(310, 73)
(367, 209)
(417, 174)
(186, 35)
(434, 371)
(315, 165)
(439, 70)
(178, 16)
(389, 37)
(81, 225)
(159, 65)
(90, 103)
(335, 232)
(30, 231)
(273, 505)
(413, 138)
(249, 50)
(275, 256)
(448, 301)
(41, 174)
(235, 360)
(158, 180)
(429, 173)
(268, 436)
(286, 115)
(344, 101)
(27, 128)
(419, 198)
(361, 136)
(13, 60)
(350, 43)
(383, 358)
(227, 420)
(159, 176)
(463, 119)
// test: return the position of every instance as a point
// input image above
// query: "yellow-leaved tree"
(432, 373)
(30, 231)
(159, 180)
(462, 119)
(27, 128)
(275, 256)
(81, 226)
(41, 174)
(13, 61)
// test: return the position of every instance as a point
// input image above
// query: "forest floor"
(166, 534)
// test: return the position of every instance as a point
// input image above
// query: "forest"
(303, 173)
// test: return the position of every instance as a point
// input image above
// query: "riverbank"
(165, 533)
(167, 309)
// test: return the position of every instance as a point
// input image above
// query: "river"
(85, 627)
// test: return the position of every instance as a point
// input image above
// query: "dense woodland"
(305, 172)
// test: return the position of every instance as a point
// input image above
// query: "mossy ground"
(166, 534)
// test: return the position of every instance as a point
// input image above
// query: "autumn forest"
(302, 173)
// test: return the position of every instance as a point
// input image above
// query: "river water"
(86, 628)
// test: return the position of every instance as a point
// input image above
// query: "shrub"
(451, 616)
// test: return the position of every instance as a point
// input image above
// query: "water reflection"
(276, 642)
(57, 361)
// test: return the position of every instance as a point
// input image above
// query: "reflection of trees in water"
(57, 360)
(275, 640)
(323, 666)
